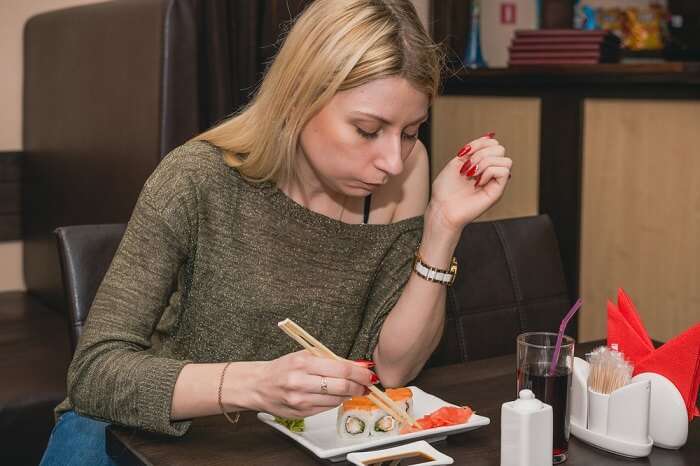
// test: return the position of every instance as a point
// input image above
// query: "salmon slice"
(445, 416)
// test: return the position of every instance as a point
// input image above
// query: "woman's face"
(363, 136)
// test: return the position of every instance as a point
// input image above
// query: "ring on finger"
(324, 385)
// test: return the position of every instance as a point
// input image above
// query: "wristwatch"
(434, 274)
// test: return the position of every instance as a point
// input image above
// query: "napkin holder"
(618, 422)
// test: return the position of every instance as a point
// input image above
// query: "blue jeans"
(77, 441)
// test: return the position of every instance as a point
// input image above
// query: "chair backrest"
(510, 280)
(85, 253)
(85, 88)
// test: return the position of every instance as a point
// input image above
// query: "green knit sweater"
(208, 265)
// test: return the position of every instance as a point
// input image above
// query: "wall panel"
(641, 213)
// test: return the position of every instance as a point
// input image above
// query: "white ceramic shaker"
(526, 431)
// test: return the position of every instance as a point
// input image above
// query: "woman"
(308, 204)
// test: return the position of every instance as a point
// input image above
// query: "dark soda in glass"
(553, 390)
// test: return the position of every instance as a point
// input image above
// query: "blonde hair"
(334, 45)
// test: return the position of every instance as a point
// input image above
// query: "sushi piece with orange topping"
(403, 397)
(360, 418)
(355, 417)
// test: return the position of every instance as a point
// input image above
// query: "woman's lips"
(372, 185)
(378, 183)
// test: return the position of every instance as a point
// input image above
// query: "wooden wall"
(641, 213)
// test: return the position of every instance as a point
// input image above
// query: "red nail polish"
(374, 379)
(464, 151)
(472, 170)
(490, 134)
(467, 165)
(365, 363)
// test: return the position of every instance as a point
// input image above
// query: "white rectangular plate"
(321, 439)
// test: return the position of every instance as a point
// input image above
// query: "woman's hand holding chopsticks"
(300, 384)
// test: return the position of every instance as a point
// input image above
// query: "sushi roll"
(359, 417)
(355, 418)
(402, 397)
(383, 424)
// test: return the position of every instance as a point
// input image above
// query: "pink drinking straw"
(560, 335)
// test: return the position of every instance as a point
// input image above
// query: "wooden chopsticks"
(318, 349)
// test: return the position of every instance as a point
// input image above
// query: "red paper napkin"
(678, 359)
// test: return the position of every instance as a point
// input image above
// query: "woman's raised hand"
(471, 182)
(299, 384)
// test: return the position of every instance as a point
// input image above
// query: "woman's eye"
(366, 134)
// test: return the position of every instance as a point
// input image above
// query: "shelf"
(605, 73)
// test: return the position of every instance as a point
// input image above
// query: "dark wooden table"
(484, 385)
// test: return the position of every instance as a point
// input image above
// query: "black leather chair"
(85, 252)
(510, 281)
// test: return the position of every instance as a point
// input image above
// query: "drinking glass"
(535, 351)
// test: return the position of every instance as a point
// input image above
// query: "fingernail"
(510, 175)
(478, 179)
(467, 165)
(374, 378)
(490, 134)
(365, 363)
(473, 170)
(464, 151)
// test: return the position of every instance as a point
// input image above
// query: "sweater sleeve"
(389, 282)
(115, 375)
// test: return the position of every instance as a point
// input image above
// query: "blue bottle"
(473, 58)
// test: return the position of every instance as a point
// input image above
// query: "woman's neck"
(308, 190)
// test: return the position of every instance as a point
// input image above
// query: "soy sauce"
(402, 459)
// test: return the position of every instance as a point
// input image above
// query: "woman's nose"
(390, 160)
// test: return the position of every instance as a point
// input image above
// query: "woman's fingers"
(341, 370)
(492, 173)
(475, 164)
(307, 404)
(324, 385)
(479, 167)
(477, 170)
(340, 378)
(487, 152)
(309, 409)
(476, 146)
(322, 401)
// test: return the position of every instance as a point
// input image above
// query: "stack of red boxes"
(563, 46)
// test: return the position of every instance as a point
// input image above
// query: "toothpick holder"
(629, 421)
(617, 422)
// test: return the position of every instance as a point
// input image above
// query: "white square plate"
(321, 439)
